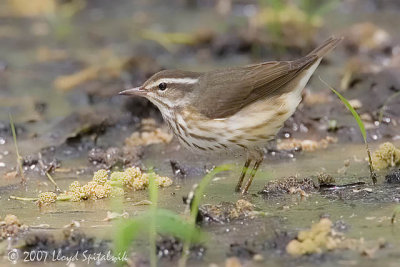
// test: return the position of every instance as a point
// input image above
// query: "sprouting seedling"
(201, 188)
(19, 158)
(150, 223)
(48, 174)
(395, 211)
(153, 196)
(166, 222)
(195, 206)
(360, 126)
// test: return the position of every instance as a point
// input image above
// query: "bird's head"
(168, 89)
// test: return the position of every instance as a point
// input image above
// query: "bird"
(236, 109)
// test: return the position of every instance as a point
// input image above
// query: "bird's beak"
(134, 91)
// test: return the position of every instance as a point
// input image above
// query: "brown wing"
(225, 92)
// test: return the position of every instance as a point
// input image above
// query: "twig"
(24, 198)
(47, 173)
(53, 182)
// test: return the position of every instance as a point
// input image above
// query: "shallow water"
(367, 219)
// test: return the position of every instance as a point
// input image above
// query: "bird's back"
(227, 91)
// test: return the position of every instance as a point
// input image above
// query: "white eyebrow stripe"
(173, 80)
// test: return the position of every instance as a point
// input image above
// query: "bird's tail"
(326, 47)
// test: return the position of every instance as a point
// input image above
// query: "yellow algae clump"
(145, 179)
(137, 184)
(76, 195)
(315, 240)
(75, 192)
(133, 179)
(94, 191)
(156, 136)
(116, 176)
(134, 172)
(117, 192)
(386, 156)
(11, 227)
(74, 186)
(305, 145)
(102, 186)
(321, 237)
(100, 177)
(46, 198)
(100, 192)
(163, 181)
(86, 190)
(11, 219)
(108, 187)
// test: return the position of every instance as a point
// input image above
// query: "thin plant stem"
(19, 158)
(23, 198)
(153, 196)
(195, 207)
(360, 125)
(48, 174)
(53, 182)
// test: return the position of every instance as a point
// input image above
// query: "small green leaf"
(360, 125)
(19, 158)
(202, 186)
(166, 222)
(352, 110)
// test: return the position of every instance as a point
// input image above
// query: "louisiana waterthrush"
(232, 109)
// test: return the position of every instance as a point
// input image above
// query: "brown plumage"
(237, 108)
(232, 89)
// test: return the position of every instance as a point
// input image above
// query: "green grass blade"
(14, 134)
(360, 125)
(19, 158)
(201, 188)
(194, 208)
(153, 190)
(167, 222)
(173, 224)
(125, 232)
(396, 210)
(153, 196)
(351, 109)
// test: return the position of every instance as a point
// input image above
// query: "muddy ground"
(61, 67)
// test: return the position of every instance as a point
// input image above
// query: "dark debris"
(74, 242)
(113, 156)
(393, 177)
(182, 171)
(225, 212)
(171, 248)
(242, 251)
(284, 186)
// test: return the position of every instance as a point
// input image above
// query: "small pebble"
(258, 257)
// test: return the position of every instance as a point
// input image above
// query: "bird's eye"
(162, 86)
